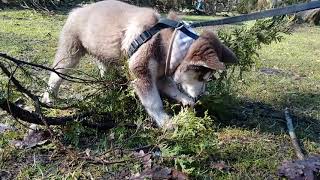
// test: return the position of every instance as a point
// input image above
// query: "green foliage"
(252, 153)
(2, 94)
(161, 5)
(73, 133)
(247, 40)
(191, 143)
(246, 6)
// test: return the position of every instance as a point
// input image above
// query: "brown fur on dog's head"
(208, 51)
(205, 56)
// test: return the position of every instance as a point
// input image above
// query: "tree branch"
(31, 117)
(62, 75)
(293, 136)
(101, 121)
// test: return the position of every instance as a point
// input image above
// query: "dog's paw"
(186, 101)
(162, 120)
(169, 125)
(46, 99)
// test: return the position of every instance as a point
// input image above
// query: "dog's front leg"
(145, 72)
(169, 87)
(150, 99)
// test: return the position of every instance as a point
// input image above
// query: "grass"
(297, 86)
(253, 146)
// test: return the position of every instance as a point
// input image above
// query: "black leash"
(168, 23)
(259, 15)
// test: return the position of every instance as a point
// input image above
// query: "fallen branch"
(293, 136)
(37, 117)
(85, 118)
(305, 167)
(16, 83)
(95, 160)
(24, 90)
(61, 75)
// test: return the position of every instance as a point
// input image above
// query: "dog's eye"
(195, 68)
(205, 76)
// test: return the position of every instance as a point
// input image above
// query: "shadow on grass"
(247, 114)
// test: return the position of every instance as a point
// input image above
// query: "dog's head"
(205, 56)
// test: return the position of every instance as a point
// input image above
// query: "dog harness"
(162, 24)
(181, 40)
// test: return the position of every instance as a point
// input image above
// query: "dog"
(106, 29)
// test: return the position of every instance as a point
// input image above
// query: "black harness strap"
(162, 24)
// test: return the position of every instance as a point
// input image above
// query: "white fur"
(52, 89)
(132, 31)
(194, 89)
(180, 47)
(150, 99)
(153, 104)
(190, 83)
(207, 76)
(169, 88)
(102, 68)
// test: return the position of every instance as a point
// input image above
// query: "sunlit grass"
(253, 148)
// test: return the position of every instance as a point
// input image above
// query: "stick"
(35, 118)
(95, 160)
(293, 136)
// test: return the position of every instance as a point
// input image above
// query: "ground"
(251, 144)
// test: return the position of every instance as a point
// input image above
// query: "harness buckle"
(145, 36)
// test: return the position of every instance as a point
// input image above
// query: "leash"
(260, 15)
(168, 23)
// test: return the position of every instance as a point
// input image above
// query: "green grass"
(298, 84)
(199, 18)
(253, 147)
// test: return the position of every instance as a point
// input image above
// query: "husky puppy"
(106, 29)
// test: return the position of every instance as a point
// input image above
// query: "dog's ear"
(227, 55)
(214, 64)
(203, 52)
(211, 62)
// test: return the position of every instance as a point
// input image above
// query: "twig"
(24, 90)
(61, 75)
(95, 160)
(38, 118)
(42, 118)
(8, 96)
(17, 83)
(293, 136)
(66, 77)
(35, 118)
